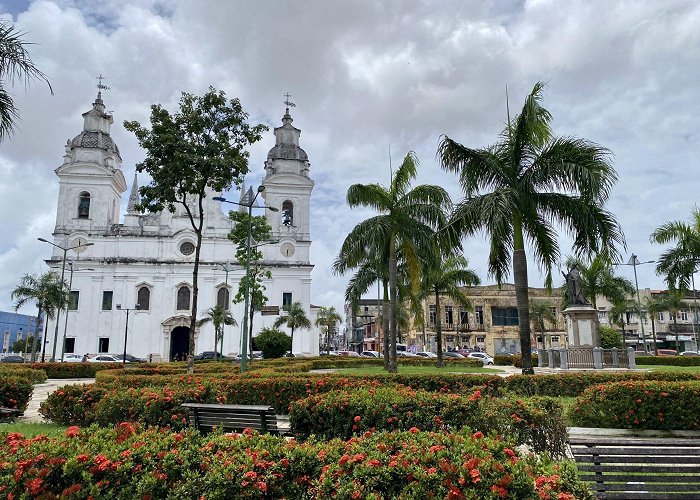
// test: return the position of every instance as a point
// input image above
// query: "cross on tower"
(289, 103)
(100, 85)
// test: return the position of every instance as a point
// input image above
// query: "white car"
(370, 354)
(406, 354)
(482, 356)
(104, 358)
(426, 354)
(72, 358)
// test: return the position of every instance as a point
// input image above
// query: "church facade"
(144, 262)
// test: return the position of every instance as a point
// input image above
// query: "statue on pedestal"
(574, 287)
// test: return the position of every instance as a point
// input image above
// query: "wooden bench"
(9, 414)
(633, 467)
(206, 417)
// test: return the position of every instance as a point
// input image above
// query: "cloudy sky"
(368, 77)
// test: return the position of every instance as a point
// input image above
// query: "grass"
(420, 370)
(670, 368)
(30, 429)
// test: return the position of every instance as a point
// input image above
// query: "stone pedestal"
(582, 326)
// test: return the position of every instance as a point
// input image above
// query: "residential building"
(14, 327)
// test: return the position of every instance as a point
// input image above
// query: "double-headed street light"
(247, 201)
(63, 273)
(634, 262)
(126, 326)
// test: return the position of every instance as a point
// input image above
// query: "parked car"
(426, 354)
(353, 354)
(482, 356)
(667, 352)
(130, 358)
(405, 354)
(642, 353)
(255, 354)
(690, 353)
(371, 354)
(12, 359)
(296, 354)
(202, 355)
(452, 354)
(104, 358)
(72, 358)
(465, 352)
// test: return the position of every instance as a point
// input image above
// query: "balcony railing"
(460, 327)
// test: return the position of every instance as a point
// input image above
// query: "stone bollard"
(563, 358)
(550, 358)
(540, 357)
(632, 358)
(615, 357)
(598, 358)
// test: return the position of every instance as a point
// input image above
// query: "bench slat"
(648, 496)
(632, 441)
(227, 407)
(632, 485)
(646, 469)
(638, 459)
(649, 479)
(607, 450)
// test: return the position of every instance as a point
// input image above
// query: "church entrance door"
(179, 343)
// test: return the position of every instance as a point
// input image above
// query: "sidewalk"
(42, 391)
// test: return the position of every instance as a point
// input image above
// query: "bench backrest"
(232, 417)
(639, 467)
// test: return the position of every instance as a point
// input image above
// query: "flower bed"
(33, 375)
(73, 370)
(342, 414)
(639, 405)
(128, 462)
(15, 392)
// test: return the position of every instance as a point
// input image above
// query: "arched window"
(183, 298)
(143, 298)
(288, 213)
(222, 298)
(84, 206)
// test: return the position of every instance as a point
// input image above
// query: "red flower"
(72, 431)
(478, 435)
(414, 430)
(357, 418)
(82, 458)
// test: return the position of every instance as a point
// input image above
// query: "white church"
(147, 259)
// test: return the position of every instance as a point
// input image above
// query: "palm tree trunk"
(43, 340)
(291, 349)
(521, 296)
(250, 332)
(438, 329)
(675, 327)
(385, 324)
(392, 293)
(653, 334)
(37, 331)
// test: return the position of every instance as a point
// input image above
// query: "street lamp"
(247, 201)
(63, 273)
(65, 322)
(634, 262)
(225, 267)
(126, 326)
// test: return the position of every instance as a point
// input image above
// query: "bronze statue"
(574, 288)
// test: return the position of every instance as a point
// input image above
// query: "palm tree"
(406, 223)
(47, 291)
(218, 316)
(598, 278)
(539, 313)
(655, 305)
(519, 188)
(294, 317)
(679, 262)
(618, 313)
(15, 63)
(445, 276)
(328, 317)
(673, 303)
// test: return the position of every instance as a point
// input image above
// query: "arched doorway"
(179, 343)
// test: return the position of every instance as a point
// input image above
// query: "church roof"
(287, 152)
(92, 139)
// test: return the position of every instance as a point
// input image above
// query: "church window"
(222, 298)
(143, 298)
(84, 206)
(183, 298)
(73, 299)
(69, 346)
(107, 300)
(187, 248)
(103, 345)
(288, 213)
(286, 300)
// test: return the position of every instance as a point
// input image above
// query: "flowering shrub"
(342, 414)
(74, 370)
(15, 392)
(12, 370)
(639, 405)
(127, 462)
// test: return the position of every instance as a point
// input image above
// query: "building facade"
(14, 327)
(148, 259)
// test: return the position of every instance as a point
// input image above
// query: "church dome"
(287, 152)
(93, 139)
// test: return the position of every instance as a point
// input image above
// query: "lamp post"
(63, 273)
(65, 321)
(634, 262)
(225, 267)
(247, 201)
(126, 327)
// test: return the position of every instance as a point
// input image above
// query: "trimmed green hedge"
(33, 375)
(639, 405)
(341, 414)
(518, 360)
(668, 360)
(15, 392)
(74, 370)
(128, 462)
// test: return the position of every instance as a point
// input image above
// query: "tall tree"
(294, 318)
(328, 317)
(15, 64)
(598, 278)
(218, 316)
(521, 187)
(655, 305)
(674, 304)
(678, 263)
(444, 276)
(407, 220)
(260, 231)
(618, 313)
(48, 293)
(540, 313)
(198, 149)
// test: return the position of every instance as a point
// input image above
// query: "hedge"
(33, 375)
(518, 360)
(341, 414)
(15, 392)
(129, 462)
(639, 405)
(668, 360)
(74, 370)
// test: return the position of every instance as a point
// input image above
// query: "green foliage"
(294, 317)
(129, 461)
(74, 370)
(15, 391)
(34, 375)
(639, 405)
(273, 343)
(219, 316)
(518, 360)
(598, 278)
(668, 360)
(610, 337)
(261, 231)
(678, 263)
(25, 344)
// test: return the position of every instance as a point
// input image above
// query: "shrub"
(639, 405)
(518, 360)
(668, 360)
(610, 337)
(500, 359)
(74, 370)
(273, 343)
(342, 414)
(15, 392)
(33, 375)
(127, 462)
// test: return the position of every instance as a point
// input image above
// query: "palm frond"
(369, 195)
(404, 175)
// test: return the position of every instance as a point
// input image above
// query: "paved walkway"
(42, 391)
